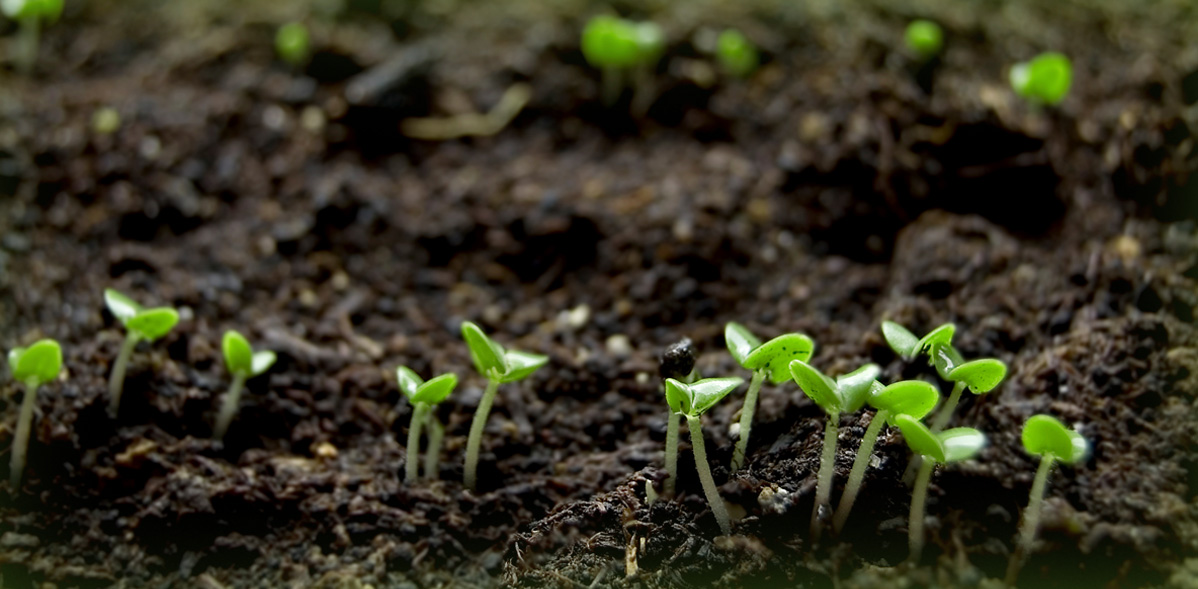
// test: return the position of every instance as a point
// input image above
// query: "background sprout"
(1043, 80)
(499, 366)
(617, 47)
(243, 363)
(693, 400)
(106, 120)
(30, 14)
(924, 38)
(946, 447)
(1049, 439)
(140, 324)
(906, 345)
(980, 376)
(736, 53)
(35, 366)
(424, 396)
(293, 44)
(770, 359)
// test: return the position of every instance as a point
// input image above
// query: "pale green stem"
(412, 462)
(860, 464)
(228, 407)
(432, 456)
(20, 443)
(718, 509)
(644, 91)
(671, 454)
(28, 38)
(1031, 519)
(474, 443)
(946, 412)
(746, 419)
(918, 498)
(613, 84)
(116, 381)
(827, 470)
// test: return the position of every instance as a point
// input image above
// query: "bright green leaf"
(292, 43)
(921, 440)
(942, 335)
(854, 388)
(152, 324)
(704, 394)
(945, 358)
(521, 364)
(121, 306)
(901, 340)
(239, 357)
(981, 376)
(740, 341)
(1045, 79)
(435, 390)
(775, 355)
(961, 443)
(39, 363)
(1043, 435)
(736, 53)
(677, 393)
(608, 41)
(262, 361)
(817, 386)
(913, 398)
(924, 37)
(408, 381)
(488, 355)
(1080, 448)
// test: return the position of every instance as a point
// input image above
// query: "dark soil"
(841, 185)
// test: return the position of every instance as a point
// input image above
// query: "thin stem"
(613, 85)
(432, 456)
(116, 382)
(474, 443)
(918, 498)
(860, 464)
(28, 38)
(412, 462)
(671, 454)
(228, 407)
(946, 412)
(746, 419)
(718, 509)
(20, 444)
(827, 470)
(1031, 519)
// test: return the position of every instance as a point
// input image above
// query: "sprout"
(770, 359)
(618, 47)
(1043, 80)
(243, 363)
(1049, 439)
(499, 366)
(736, 53)
(979, 376)
(946, 447)
(924, 38)
(691, 401)
(35, 366)
(30, 14)
(424, 397)
(293, 44)
(677, 362)
(141, 324)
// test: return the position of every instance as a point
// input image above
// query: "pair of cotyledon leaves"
(696, 398)
(849, 392)
(496, 363)
(1045, 436)
(953, 445)
(148, 324)
(773, 356)
(37, 364)
(430, 392)
(241, 359)
(980, 376)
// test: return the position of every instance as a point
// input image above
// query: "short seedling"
(499, 366)
(736, 53)
(424, 397)
(847, 394)
(946, 447)
(1044, 80)
(771, 359)
(620, 49)
(691, 401)
(141, 324)
(924, 38)
(677, 362)
(293, 44)
(1049, 439)
(35, 366)
(30, 14)
(243, 363)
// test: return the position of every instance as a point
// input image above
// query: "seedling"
(691, 401)
(293, 44)
(424, 397)
(499, 366)
(620, 48)
(243, 363)
(35, 366)
(771, 359)
(141, 324)
(1049, 439)
(924, 38)
(677, 362)
(30, 14)
(846, 394)
(736, 53)
(1043, 80)
(954, 445)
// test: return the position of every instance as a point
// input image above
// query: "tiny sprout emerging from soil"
(1049, 439)
(30, 14)
(771, 359)
(35, 366)
(499, 366)
(243, 363)
(736, 53)
(691, 401)
(141, 324)
(946, 447)
(1043, 80)
(424, 397)
(677, 362)
(618, 47)
(924, 38)
(293, 44)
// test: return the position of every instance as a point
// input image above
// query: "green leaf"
(945, 358)
(1043, 435)
(677, 393)
(921, 440)
(435, 390)
(912, 398)
(901, 340)
(122, 307)
(704, 394)
(608, 41)
(775, 355)
(981, 376)
(39, 363)
(924, 37)
(1080, 448)
(736, 54)
(942, 335)
(817, 386)
(408, 381)
(961, 443)
(488, 356)
(239, 357)
(262, 361)
(152, 324)
(854, 388)
(521, 364)
(740, 341)
(1045, 79)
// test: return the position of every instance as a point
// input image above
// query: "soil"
(842, 184)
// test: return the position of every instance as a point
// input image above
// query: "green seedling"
(846, 394)
(1044, 80)
(141, 324)
(979, 376)
(736, 53)
(909, 398)
(499, 366)
(293, 44)
(1049, 439)
(34, 366)
(924, 38)
(243, 363)
(772, 360)
(30, 14)
(677, 362)
(621, 48)
(691, 401)
(424, 397)
(946, 447)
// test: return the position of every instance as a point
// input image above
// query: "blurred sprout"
(621, 49)
(924, 38)
(1043, 80)
(30, 14)
(736, 53)
(106, 120)
(293, 44)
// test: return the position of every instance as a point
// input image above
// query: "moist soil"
(842, 184)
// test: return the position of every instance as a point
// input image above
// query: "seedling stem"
(20, 444)
(228, 406)
(946, 412)
(671, 454)
(746, 417)
(718, 509)
(860, 464)
(412, 465)
(827, 469)
(436, 436)
(918, 498)
(116, 381)
(474, 443)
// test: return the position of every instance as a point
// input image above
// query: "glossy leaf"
(912, 398)
(121, 306)
(961, 443)
(1043, 435)
(817, 386)
(262, 361)
(945, 358)
(239, 357)
(408, 381)
(152, 324)
(981, 376)
(775, 355)
(740, 341)
(488, 356)
(921, 440)
(608, 41)
(854, 388)
(521, 364)
(39, 363)
(436, 389)
(704, 394)
(1080, 447)
(942, 335)
(677, 393)
(901, 340)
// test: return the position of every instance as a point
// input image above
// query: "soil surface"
(842, 184)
